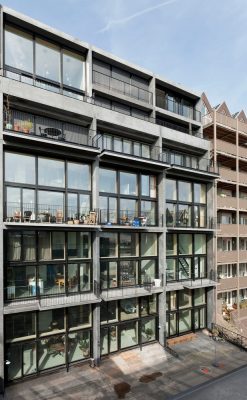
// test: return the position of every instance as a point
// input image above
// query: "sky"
(200, 44)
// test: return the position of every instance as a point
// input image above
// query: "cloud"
(133, 16)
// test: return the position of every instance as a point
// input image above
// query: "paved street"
(148, 374)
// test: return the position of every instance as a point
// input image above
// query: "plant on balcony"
(27, 126)
(84, 347)
(8, 116)
(149, 332)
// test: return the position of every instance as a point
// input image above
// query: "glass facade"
(46, 263)
(186, 256)
(186, 204)
(52, 64)
(37, 341)
(128, 199)
(128, 259)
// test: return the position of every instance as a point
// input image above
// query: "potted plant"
(84, 346)
(27, 126)
(8, 116)
(149, 332)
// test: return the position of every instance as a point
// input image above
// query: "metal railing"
(191, 279)
(47, 128)
(126, 218)
(126, 146)
(48, 213)
(187, 161)
(27, 79)
(176, 107)
(185, 219)
(132, 290)
(34, 289)
(120, 86)
(230, 336)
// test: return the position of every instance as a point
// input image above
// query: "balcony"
(187, 161)
(185, 220)
(173, 106)
(243, 204)
(29, 125)
(145, 289)
(228, 174)
(243, 178)
(227, 230)
(227, 284)
(228, 257)
(119, 86)
(126, 148)
(226, 147)
(127, 218)
(48, 214)
(227, 202)
(190, 281)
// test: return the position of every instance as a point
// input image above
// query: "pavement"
(148, 374)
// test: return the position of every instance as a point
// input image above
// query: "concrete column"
(96, 269)
(162, 258)
(96, 307)
(152, 90)
(2, 357)
(89, 73)
(211, 311)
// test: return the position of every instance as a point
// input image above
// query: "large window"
(128, 259)
(41, 195)
(19, 168)
(127, 198)
(52, 63)
(47, 263)
(73, 69)
(186, 204)
(186, 256)
(47, 60)
(18, 49)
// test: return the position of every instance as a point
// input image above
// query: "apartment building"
(228, 134)
(107, 224)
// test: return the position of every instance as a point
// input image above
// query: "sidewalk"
(148, 374)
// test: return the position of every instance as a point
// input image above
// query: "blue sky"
(198, 43)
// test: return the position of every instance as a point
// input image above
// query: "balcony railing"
(24, 78)
(178, 108)
(46, 128)
(38, 289)
(186, 220)
(187, 161)
(120, 86)
(191, 279)
(48, 213)
(127, 146)
(145, 288)
(127, 218)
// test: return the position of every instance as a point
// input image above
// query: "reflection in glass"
(128, 244)
(128, 309)
(51, 352)
(184, 321)
(148, 244)
(107, 180)
(170, 190)
(148, 210)
(18, 49)
(148, 328)
(47, 60)
(128, 334)
(73, 69)
(128, 273)
(52, 278)
(184, 191)
(79, 176)
(51, 172)
(79, 317)
(13, 172)
(79, 346)
(148, 271)
(128, 183)
(108, 244)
